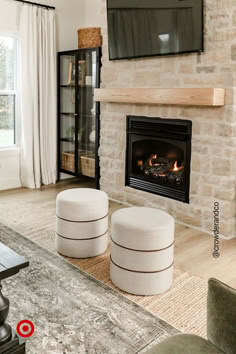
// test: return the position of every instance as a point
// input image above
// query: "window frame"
(14, 92)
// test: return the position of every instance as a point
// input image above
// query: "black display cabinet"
(78, 113)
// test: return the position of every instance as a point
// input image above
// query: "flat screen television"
(141, 28)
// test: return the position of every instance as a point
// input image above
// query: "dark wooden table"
(10, 264)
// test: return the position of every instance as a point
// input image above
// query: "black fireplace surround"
(158, 156)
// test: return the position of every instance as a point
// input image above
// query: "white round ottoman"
(142, 250)
(82, 223)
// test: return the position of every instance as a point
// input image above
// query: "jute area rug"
(183, 306)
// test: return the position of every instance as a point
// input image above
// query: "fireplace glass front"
(158, 156)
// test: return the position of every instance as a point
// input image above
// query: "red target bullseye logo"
(25, 329)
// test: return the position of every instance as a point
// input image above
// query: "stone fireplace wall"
(213, 168)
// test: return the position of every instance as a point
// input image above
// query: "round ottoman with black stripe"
(82, 223)
(142, 250)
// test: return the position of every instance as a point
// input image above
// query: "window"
(7, 90)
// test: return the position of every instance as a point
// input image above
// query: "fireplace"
(158, 156)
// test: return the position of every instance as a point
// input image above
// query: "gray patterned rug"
(73, 312)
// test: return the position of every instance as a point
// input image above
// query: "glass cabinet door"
(67, 113)
(87, 78)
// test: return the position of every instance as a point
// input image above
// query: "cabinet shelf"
(87, 86)
(87, 115)
(69, 114)
(68, 86)
(79, 86)
(67, 140)
(89, 147)
(62, 170)
(78, 115)
(73, 174)
(72, 140)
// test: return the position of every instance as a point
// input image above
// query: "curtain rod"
(35, 4)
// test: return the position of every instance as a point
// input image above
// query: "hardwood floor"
(193, 248)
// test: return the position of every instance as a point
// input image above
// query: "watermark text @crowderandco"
(216, 230)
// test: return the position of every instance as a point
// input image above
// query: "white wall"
(9, 169)
(93, 15)
(70, 16)
(8, 16)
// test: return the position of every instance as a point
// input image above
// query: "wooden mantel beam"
(175, 96)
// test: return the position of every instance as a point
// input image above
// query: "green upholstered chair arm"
(221, 327)
(221, 316)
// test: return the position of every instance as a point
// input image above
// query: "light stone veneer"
(213, 168)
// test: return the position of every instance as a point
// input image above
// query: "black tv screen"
(140, 28)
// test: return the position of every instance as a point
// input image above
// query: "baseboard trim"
(11, 183)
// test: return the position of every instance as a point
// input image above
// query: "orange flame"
(140, 163)
(150, 160)
(176, 168)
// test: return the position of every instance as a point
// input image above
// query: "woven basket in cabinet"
(87, 162)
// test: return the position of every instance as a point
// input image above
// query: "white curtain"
(38, 96)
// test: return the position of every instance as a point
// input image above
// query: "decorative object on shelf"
(70, 132)
(88, 80)
(89, 37)
(94, 69)
(93, 110)
(71, 76)
(86, 162)
(72, 97)
(87, 159)
(68, 161)
(81, 73)
(82, 69)
(92, 136)
(80, 133)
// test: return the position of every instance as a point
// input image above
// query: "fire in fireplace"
(163, 168)
(159, 155)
